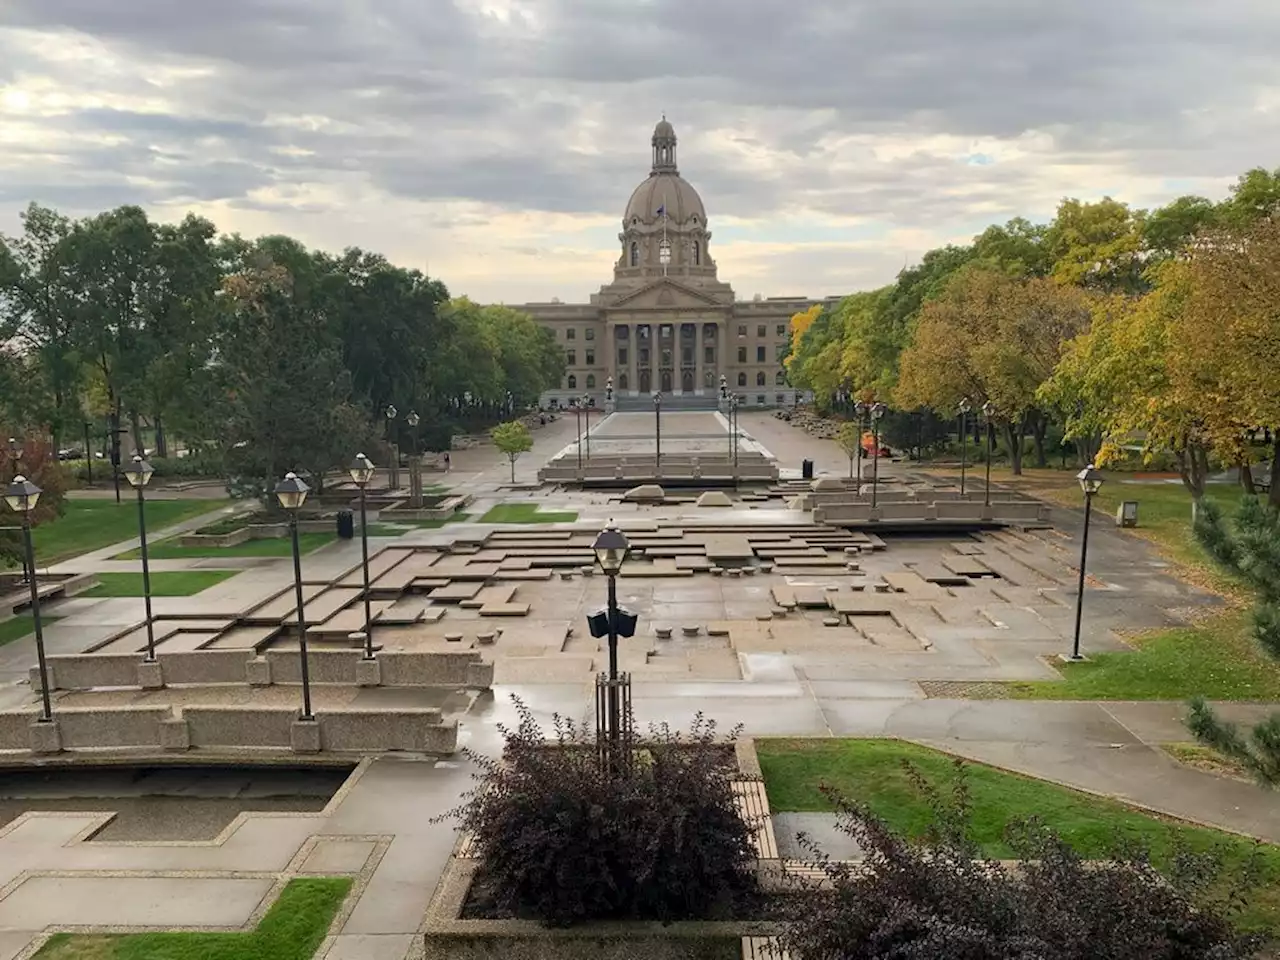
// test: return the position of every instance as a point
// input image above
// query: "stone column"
(633, 360)
(698, 385)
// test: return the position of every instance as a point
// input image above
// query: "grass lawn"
(181, 584)
(292, 929)
(88, 525)
(21, 626)
(870, 771)
(526, 513)
(396, 528)
(269, 547)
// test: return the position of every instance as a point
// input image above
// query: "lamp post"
(657, 434)
(586, 419)
(1090, 482)
(724, 400)
(611, 548)
(292, 494)
(988, 411)
(88, 456)
(877, 411)
(362, 471)
(393, 481)
(21, 495)
(859, 413)
(964, 441)
(15, 455)
(415, 463)
(577, 425)
(608, 394)
(138, 473)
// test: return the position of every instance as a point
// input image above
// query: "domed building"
(667, 322)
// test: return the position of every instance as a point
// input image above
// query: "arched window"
(742, 379)
(760, 379)
(622, 382)
(780, 378)
(635, 254)
(697, 254)
(573, 382)
(591, 381)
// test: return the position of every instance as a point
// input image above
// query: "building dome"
(669, 192)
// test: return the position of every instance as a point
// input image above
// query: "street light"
(657, 434)
(608, 393)
(964, 441)
(362, 471)
(1090, 482)
(138, 473)
(22, 495)
(859, 413)
(413, 420)
(577, 424)
(611, 549)
(393, 481)
(292, 494)
(988, 411)
(586, 419)
(877, 411)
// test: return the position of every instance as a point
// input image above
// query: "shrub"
(940, 898)
(563, 838)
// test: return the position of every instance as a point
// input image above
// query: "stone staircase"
(670, 403)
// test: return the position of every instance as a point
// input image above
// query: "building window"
(591, 358)
(590, 333)
(697, 254)
(742, 354)
(644, 355)
(780, 378)
(642, 333)
(760, 380)
(782, 330)
(780, 399)
(762, 330)
(708, 378)
(573, 382)
(571, 357)
(742, 379)
(666, 358)
(635, 254)
(760, 399)
(591, 381)
(571, 334)
(759, 354)
(709, 354)
(742, 329)
(622, 356)
(687, 355)
(622, 381)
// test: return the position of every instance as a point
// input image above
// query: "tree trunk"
(162, 443)
(1193, 468)
(1014, 439)
(1246, 479)
(513, 469)
(1039, 427)
(1273, 497)
(135, 427)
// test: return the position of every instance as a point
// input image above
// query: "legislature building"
(667, 322)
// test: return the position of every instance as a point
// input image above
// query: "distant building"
(667, 322)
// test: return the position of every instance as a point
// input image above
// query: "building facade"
(667, 322)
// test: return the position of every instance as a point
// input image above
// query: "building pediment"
(665, 294)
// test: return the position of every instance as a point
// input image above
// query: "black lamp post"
(877, 411)
(611, 548)
(393, 481)
(657, 433)
(21, 495)
(413, 420)
(138, 473)
(88, 456)
(586, 414)
(608, 394)
(964, 441)
(15, 454)
(292, 494)
(362, 471)
(859, 413)
(1090, 482)
(577, 426)
(988, 411)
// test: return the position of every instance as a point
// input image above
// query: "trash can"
(346, 524)
(806, 469)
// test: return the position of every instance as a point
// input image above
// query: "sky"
(494, 143)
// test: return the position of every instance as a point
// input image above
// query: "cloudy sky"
(494, 143)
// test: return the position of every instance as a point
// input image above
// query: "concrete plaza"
(900, 672)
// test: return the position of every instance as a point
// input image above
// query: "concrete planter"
(256, 531)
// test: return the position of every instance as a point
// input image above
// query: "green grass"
(88, 525)
(269, 547)
(871, 772)
(292, 929)
(526, 513)
(1217, 659)
(21, 626)
(182, 584)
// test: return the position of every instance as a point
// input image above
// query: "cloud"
(497, 140)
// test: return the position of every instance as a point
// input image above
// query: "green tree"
(1250, 549)
(512, 438)
(849, 439)
(1098, 246)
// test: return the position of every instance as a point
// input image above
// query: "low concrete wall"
(240, 726)
(84, 671)
(961, 510)
(362, 731)
(91, 728)
(13, 729)
(325, 666)
(431, 669)
(203, 666)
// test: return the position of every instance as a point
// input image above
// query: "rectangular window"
(687, 355)
(666, 358)
(760, 399)
(644, 354)
(591, 358)
(742, 329)
(759, 354)
(762, 331)
(709, 354)
(782, 330)
(590, 333)
(571, 357)
(780, 399)
(622, 356)
(571, 334)
(778, 352)
(742, 354)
